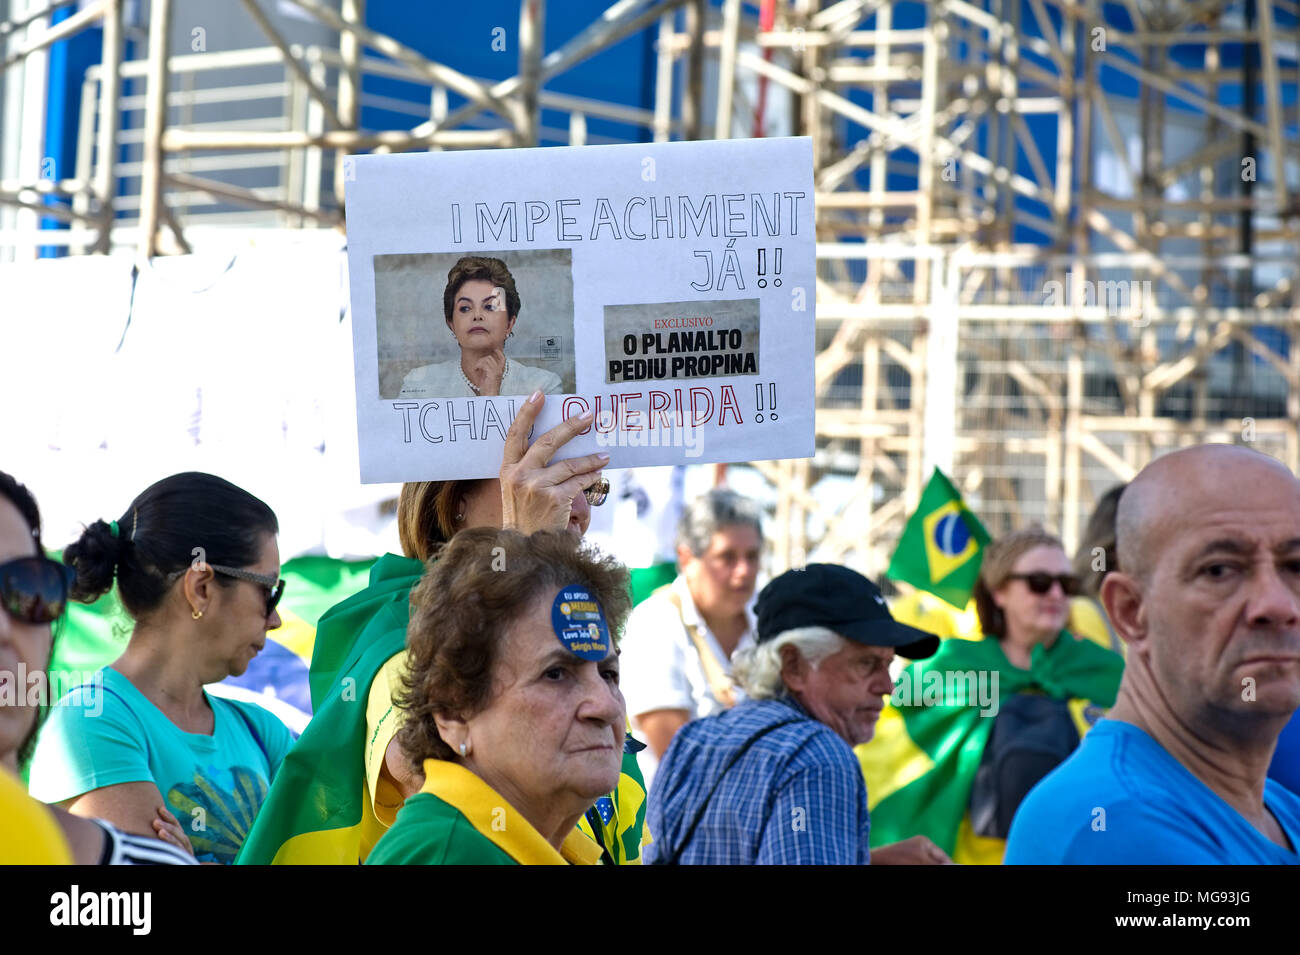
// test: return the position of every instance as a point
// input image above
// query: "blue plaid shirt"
(797, 796)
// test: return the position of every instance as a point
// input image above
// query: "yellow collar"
(499, 821)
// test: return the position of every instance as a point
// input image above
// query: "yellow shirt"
(382, 800)
(458, 819)
(29, 834)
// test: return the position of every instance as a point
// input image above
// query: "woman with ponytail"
(197, 569)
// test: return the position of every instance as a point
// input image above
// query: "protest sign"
(668, 288)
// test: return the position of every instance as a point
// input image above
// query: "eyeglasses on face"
(274, 585)
(35, 589)
(596, 493)
(1040, 582)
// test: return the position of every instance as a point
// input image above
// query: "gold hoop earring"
(196, 614)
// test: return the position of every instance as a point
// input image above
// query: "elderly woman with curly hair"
(514, 715)
(346, 778)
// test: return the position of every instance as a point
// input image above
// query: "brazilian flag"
(941, 546)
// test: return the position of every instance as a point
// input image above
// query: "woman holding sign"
(513, 712)
(347, 777)
(481, 306)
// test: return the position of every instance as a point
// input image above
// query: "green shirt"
(428, 831)
(457, 819)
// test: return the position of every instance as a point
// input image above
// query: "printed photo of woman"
(481, 306)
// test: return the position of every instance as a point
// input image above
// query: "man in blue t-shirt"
(1285, 767)
(1208, 599)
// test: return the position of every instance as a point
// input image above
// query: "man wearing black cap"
(774, 780)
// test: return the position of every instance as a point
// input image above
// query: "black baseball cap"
(840, 599)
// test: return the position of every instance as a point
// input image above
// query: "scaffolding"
(1055, 238)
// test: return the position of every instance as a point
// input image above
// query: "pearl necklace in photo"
(474, 388)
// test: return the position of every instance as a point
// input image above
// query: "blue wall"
(67, 68)
(466, 39)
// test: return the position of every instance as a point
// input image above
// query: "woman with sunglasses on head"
(33, 597)
(1021, 696)
(346, 777)
(197, 569)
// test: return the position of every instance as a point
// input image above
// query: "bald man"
(1208, 600)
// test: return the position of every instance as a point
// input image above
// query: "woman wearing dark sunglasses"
(197, 569)
(1013, 706)
(1023, 593)
(315, 818)
(33, 596)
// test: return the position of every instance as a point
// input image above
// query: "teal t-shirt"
(103, 735)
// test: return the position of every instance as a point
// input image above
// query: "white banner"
(667, 288)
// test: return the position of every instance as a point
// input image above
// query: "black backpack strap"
(735, 757)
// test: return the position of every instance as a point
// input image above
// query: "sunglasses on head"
(35, 589)
(274, 586)
(596, 493)
(1040, 583)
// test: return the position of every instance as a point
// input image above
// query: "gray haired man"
(774, 780)
(679, 643)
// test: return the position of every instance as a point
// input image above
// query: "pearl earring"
(464, 749)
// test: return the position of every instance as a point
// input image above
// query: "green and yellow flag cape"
(315, 812)
(920, 765)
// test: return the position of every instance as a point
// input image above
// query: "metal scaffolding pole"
(110, 87)
(155, 121)
(349, 93)
(532, 20)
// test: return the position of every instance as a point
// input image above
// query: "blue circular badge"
(579, 623)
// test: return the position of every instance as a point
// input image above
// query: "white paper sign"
(667, 288)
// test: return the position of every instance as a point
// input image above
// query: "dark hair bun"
(94, 557)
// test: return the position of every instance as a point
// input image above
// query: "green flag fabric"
(921, 764)
(941, 545)
(313, 812)
(646, 580)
